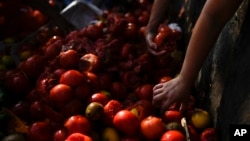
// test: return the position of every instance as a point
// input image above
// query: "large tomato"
(72, 78)
(152, 127)
(60, 95)
(173, 135)
(127, 122)
(78, 124)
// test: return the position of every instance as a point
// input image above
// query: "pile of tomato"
(96, 83)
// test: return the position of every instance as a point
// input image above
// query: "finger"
(157, 91)
(157, 99)
(157, 86)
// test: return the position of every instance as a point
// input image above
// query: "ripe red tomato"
(60, 135)
(172, 116)
(152, 127)
(78, 124)
(173, 135)
(93, 31)
(78, 137)
(127, 122)
(165, 79)
(72, 78)
(69, 59)
(160, 38)
(33, 66)
(53, 47)
(60, 95)
(99, 97)
(36, 110)
(144, 92)
(17, 82)
(93, 81)
(40, 131)
(110, 109)
(208, 134)
(131, 31)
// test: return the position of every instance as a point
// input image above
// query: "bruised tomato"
(78, 124)
(110, 109)
(72, 78)
(60, 95)
(152, 127)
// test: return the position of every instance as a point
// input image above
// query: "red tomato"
(33, 66)
(92, 79)
(69, 59)
(53, 47)
(72, 78)
(78, 137)
(208, 134)
(110, 109)
(127, 122)
(36, 110)
(172, 116)
(165, 79)
(144, 92)
(152, 127)
(93, 31)
(60, 95)
(40, 131)
(78, 124)
(173, 135)
(160, 38)
(131, 31)
(99, 97)
(60, 135)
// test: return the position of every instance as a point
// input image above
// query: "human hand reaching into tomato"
(152, 46)
(167, 93)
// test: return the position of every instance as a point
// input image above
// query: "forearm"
(158, 14)
(205, 33)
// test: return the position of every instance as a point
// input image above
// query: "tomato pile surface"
(96, 83)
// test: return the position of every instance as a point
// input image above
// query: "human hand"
(175, 90)
(151, 45)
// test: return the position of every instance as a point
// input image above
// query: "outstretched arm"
(214, 16)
